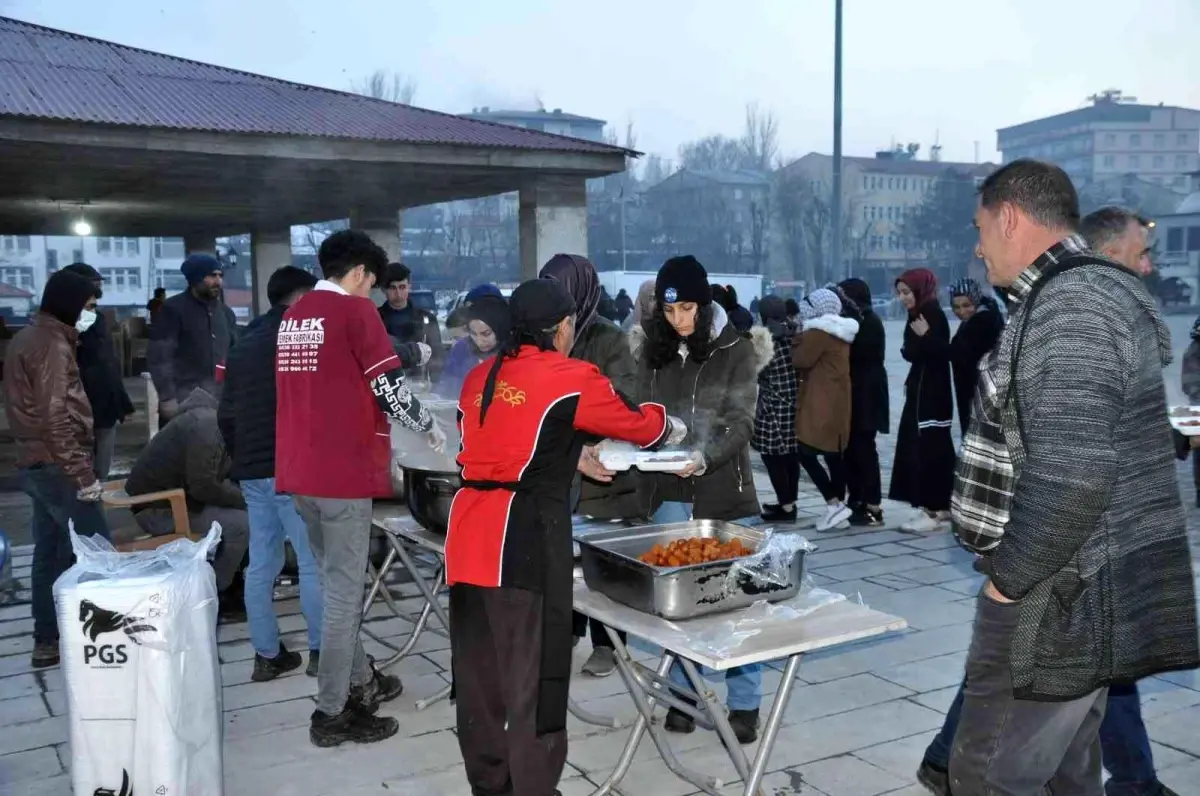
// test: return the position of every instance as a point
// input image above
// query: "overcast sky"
(681, 69)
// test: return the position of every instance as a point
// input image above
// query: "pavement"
(857, 724)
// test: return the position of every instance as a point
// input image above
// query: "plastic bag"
(771, 564)
(723, 637)
(139, 657)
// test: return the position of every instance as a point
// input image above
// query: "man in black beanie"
(51, 421)
(191, 335)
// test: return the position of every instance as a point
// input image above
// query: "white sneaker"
(835, 515)
(922, 523)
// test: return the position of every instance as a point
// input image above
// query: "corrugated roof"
(51, 74)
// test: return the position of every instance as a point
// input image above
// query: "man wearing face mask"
(51, 421)
(191, 335)
(101, 375)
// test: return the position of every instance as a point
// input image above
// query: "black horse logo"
(126, 785)
(97, 621)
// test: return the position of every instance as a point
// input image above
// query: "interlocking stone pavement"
(857, 723)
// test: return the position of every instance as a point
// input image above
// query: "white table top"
(829, 626)
(394, 518)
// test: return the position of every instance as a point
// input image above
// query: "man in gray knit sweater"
(1066, 488)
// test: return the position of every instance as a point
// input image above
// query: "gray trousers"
(339, 532)
(1015, 747)
(235, 535)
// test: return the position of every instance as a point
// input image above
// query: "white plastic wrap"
(139, 657)
(771, 563)
(724, 637)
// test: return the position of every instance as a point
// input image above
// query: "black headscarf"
(492, 310)
(857, 291)
(577, 274)
(536, 308)
(65, 294)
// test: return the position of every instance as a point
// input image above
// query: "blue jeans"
(1124, 745)
(54, 503)
(273, 518)
(743, 683)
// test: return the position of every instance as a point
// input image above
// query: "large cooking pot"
(428, 495)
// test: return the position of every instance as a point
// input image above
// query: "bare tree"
(806, 228)
(392, 87)
(760, 139)
(712, 153)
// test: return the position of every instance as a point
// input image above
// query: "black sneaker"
(936, 780)
(350, 726)
(864, 517)
(314, 663)
(269, 668)
(678, 721)
(745, 725)
(45, 654)
(382, 688)
(774, 513)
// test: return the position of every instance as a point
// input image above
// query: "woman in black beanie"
(703, 370)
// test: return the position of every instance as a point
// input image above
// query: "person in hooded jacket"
(607, 495)
(976, 336)
(702, 369)
(101, 376)
(739, 316)
(50, 420)
(821, 356)
(923, 471)
(869, 413)
(775, 414)
(643, 308)
(485, 314)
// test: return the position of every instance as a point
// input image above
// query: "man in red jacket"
(338, 381)
(524, 418)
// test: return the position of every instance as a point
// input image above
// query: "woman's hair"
(792, 307)
(662, 341)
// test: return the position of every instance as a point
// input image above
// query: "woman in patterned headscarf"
(923, 472)
(976, 336)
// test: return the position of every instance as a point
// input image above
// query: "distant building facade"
(1113, 136)
(545, 121)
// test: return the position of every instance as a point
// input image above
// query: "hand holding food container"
(1185, 420)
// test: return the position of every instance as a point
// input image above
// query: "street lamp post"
(836, 207)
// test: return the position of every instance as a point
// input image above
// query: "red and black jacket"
(519, 465)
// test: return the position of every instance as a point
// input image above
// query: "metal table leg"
(774, 721)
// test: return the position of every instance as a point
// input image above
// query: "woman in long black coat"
(869, 414)
(976, 336)
(923, 472)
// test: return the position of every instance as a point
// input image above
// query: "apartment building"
(1112, 136)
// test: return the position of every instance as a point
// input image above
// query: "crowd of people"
(1063, 485)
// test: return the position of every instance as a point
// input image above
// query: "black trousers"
(862, 469)
(496, 649)
(579, 627)
(784, 471)
(832, 484)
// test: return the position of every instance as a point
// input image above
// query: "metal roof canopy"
(173, 147)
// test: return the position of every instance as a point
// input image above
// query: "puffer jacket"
(821, 355)
(48, 411)
(247, 412)
(189, 339)
(188, 454)
(603, 344)
(716, 399)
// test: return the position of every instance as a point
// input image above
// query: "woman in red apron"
(524, 417)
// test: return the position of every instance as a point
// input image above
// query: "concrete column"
(193, 244)
(382, 225)
(552, 220)
(270, 250)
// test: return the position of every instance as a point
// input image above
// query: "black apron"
(548, 505)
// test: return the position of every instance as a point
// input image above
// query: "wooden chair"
(115, 497)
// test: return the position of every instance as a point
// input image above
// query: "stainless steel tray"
(611, 567)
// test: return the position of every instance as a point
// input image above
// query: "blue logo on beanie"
(670, 295)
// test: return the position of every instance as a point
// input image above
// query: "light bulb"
(82, 228)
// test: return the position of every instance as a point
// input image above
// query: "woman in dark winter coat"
(602, 343)
(702, 369)
(976, 336)
(869, 412)
(775, 414)
(923, 472)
